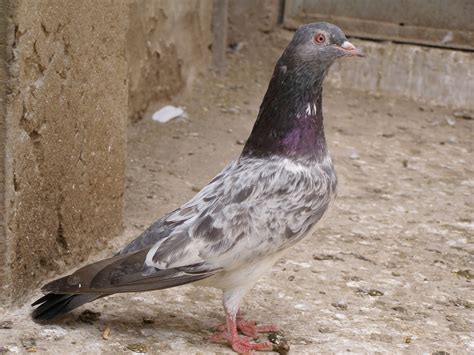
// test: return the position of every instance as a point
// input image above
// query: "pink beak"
(351, 50)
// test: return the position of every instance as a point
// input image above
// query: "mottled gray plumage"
(253, 208)
(231, 232)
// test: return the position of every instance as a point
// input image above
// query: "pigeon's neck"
(290, 121)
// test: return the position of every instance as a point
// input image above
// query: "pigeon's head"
(317, 45)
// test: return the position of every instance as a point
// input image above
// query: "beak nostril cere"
(348, 45)
(351, 50)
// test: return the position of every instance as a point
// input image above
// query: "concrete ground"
(390, 270)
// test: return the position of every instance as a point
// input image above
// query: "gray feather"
(255, 208)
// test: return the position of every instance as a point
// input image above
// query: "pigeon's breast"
(313, 190)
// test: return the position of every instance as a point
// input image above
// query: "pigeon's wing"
(255, 208)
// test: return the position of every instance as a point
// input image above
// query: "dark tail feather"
(53, 304)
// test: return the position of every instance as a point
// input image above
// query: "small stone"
(465, 273)
(280, 343)
(89, 316)
(400, 309)
(408, 340)
(195, 189)
(106, 333)
(462, 303)
(240, 142)
(339, 305)
(361, 292)
(354, 156)
(29, 344)
(325, 330)
(388, 135)
(361, 257)
(375, 293)
(464, 115)
(137, 348)
(451, 121)
(405, 163)
(372, 292)
(440, 352)
(236, 47)
(396, 274)
(321, 257)
(148, 320)
(291, 278)
(8, 324)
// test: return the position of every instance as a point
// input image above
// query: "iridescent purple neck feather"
(290, 121)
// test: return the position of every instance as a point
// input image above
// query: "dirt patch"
(385, 272)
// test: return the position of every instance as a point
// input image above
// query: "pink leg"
(241, 345)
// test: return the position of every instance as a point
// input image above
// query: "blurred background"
(88, 159)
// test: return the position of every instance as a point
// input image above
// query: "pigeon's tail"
(53, 304)
(121, 273)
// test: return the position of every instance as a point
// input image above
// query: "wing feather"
(125, 273)
(254, 207)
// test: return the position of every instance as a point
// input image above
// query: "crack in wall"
(60, 236)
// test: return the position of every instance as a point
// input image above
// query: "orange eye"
(319, 38)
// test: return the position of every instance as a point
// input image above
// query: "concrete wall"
(248, 17)
(62, 134)
(168, 45)
(444, 23)
(431, 75)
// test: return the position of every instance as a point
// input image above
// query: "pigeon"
(235, 229)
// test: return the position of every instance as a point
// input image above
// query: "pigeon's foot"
(242, 345)
(249, 327)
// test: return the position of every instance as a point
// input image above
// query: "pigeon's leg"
(242, 345)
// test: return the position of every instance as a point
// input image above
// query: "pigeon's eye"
(319, 38)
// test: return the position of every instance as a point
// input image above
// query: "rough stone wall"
(4, 257)
(65, 134)
(168, 45)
